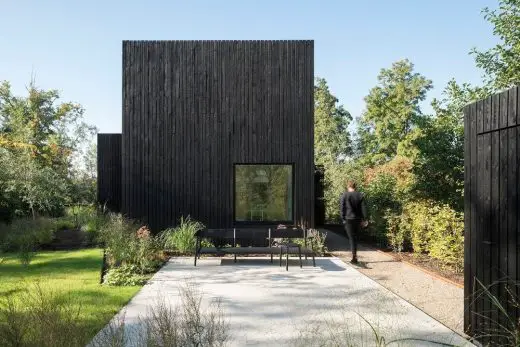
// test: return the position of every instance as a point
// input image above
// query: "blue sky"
(77, 48)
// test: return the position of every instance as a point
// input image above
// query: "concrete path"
(266, 305)
(441, 300)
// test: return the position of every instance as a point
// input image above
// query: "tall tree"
(439, 165)
(332, 143)
(392, 114)
(331, 136)
(39, 140)
(501, 63)
(51, 131)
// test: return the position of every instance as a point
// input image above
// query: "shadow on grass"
(45, 264)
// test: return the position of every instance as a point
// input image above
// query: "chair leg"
(300, 255)
(287, 259)
(195, 262)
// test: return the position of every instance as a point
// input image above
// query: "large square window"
(263, 193)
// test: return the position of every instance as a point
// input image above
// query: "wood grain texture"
(492, 218)
(192, 109)
(109, 171)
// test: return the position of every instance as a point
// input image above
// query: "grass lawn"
(74, 273)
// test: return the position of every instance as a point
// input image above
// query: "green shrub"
(117, 237)
(436, 230)
(125, 275)
(26, 234)
(182, 237)
(334, 185)
(64, 223)
(93, 226)
(126, 244)
(88, 219)
(415, 221)
(447, 237)
(380, 195)
(26, 249)
(315, 241)
(81, 214)
(397, 236)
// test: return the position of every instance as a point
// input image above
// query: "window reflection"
(263, 193)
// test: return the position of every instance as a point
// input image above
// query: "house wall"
(191, 109)
(109, 171)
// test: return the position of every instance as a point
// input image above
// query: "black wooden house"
(218, 130)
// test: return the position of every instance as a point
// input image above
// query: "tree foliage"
(439, 165)
(40, 141)
(393, 117)
(332, 144)
(501, 64)
(331, 137)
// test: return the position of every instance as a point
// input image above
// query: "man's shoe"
(354, 261)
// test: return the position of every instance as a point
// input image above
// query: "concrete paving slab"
(440, 299)
(267, 305)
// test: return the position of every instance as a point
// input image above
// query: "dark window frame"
(293, 182)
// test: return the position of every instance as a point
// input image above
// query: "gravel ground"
(441, 300)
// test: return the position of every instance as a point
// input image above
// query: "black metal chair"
(292, 232)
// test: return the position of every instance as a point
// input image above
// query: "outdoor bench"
(225, 241)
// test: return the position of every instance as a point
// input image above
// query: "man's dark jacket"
(352, 206)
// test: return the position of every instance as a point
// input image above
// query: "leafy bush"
(64, 223)
(86, 218)
(334, 182)
(25, 235)
(397, 236)
(80, 214)
(125, 275)
(436, 230)
(128, 245)
(182, 237)
(380, 194)
(447, 237)
(315, 241)
(415, 221)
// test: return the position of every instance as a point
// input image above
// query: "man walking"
(354, 215)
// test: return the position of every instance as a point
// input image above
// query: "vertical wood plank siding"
(109, 171)
(192, 109)
(492, 218)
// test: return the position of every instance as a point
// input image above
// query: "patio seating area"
(244, 242)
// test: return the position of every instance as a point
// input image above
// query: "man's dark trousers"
(352, 227)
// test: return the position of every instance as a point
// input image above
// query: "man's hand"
(364, 223)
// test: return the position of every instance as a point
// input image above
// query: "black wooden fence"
(492, 219)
